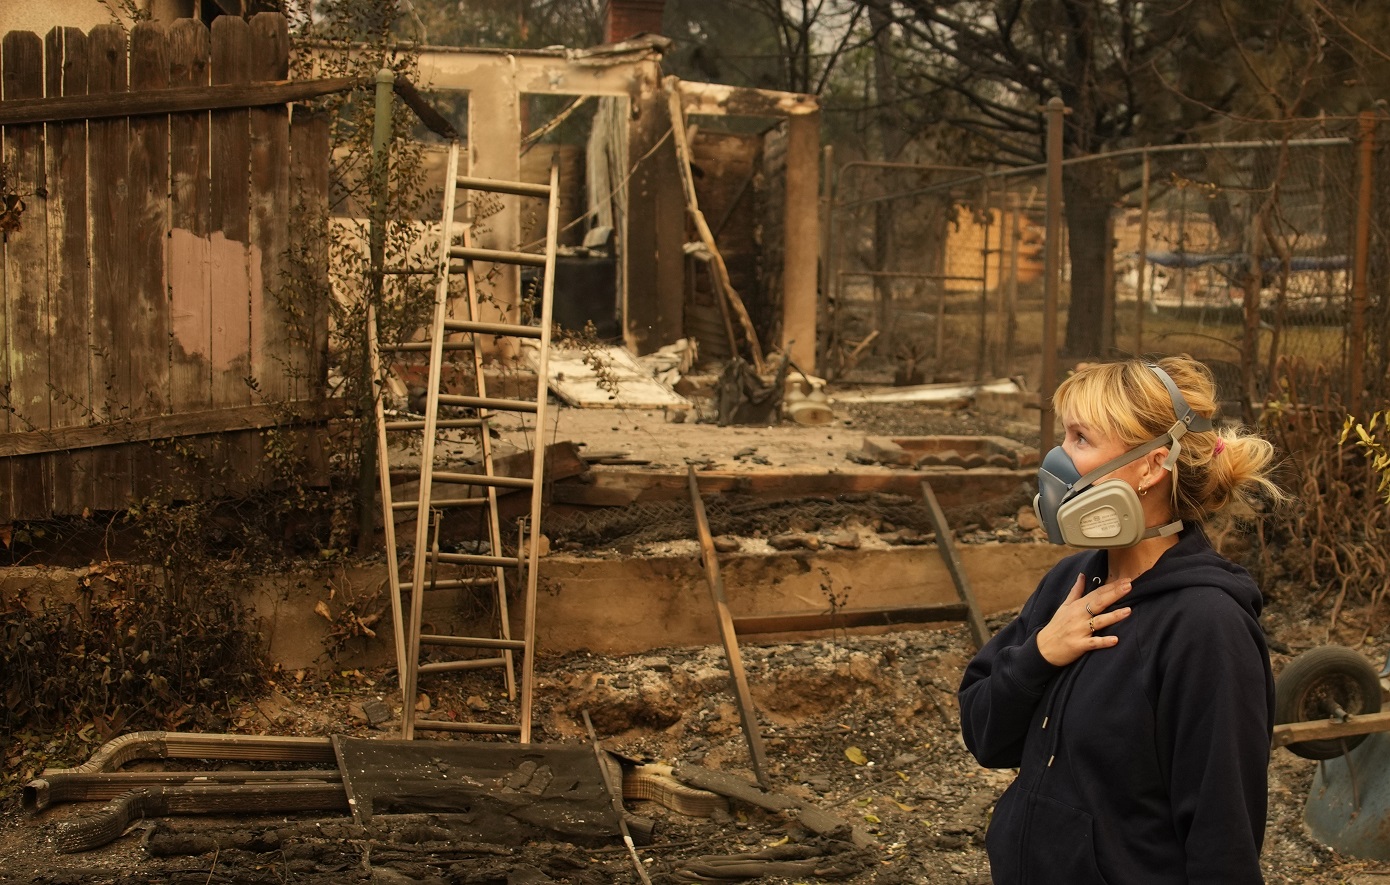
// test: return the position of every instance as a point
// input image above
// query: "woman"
(1133, 691)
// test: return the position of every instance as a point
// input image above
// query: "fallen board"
(507, 794)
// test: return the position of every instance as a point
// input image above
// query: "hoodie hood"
(1192, 563)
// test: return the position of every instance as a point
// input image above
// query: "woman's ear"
(1153, 466)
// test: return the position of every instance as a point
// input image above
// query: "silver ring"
(1088, 610)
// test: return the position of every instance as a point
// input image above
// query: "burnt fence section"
(146, 350)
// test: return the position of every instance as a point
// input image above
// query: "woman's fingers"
(1076, 588)
(1100, 622)
(1104, 596)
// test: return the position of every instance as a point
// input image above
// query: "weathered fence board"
(142, 284)
(21, 69)
(69, 282)
(230, 237)
(109, 228)
(148, 206)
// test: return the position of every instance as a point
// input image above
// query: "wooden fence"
(147, 341)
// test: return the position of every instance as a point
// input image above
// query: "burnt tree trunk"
(1089, 234)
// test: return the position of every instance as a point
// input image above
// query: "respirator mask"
(1078, 511)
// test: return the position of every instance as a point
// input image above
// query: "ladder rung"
(492, 642)
(460, 666)
(440, 502)
(493, 328)
(520, 188)
(458, 583)
(475, 559)
(482, 479)
(497, 256)
(441, 424)
(466, 727)
(423, 346)
(487, 402)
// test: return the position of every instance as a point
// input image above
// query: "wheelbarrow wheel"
(1318, 683)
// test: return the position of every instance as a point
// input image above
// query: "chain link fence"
(1242, 254)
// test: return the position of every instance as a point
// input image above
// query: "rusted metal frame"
(178, 745)
(746, 711)
(60, 787)
(112, 820)
(978, 630)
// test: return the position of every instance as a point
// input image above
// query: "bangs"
(1101, 396)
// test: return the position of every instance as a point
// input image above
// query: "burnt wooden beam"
(979, 631)
(433, 120)
(709, 558)
(618, 487)
(201, 423)
(847, 618)
(169, 101)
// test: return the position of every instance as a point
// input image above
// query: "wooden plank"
(852, 617)
(1329, 729)
(274, 359)
(181, 424)
(190, 281)
(188, 254)
(946, 545)
(309, 161)
(26, 271)
(619, 487)
(171, 101)
(229, 226)
(108, 150)
(148, 205)
(748, 715)
(69, 277)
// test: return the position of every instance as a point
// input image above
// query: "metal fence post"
(1052, 270)
(1356, 338)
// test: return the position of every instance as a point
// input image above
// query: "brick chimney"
(625, 19)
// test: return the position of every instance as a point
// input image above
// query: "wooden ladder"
(429, 568)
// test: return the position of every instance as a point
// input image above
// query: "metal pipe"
(1143, 260)
(1053, 272)
(1356, 344)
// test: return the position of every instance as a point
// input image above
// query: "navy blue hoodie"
(1141, 764)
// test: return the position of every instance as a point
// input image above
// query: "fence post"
(367, 467)
(1356, 345)
(1139, 287)
(1053, 271)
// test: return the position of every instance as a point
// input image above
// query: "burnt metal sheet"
(494, 792)
(1348, 805)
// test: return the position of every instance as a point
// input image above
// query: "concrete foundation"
(609, 606)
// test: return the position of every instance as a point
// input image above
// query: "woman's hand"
(1071, 632)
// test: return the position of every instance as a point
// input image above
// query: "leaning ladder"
(425, 557)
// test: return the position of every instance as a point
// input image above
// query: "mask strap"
(1135, 454)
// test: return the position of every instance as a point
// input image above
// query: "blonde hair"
(1129, 402)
